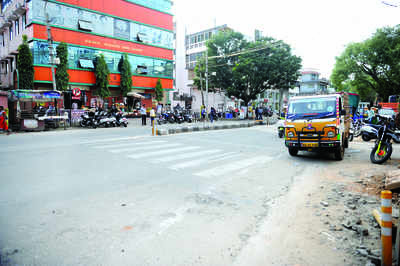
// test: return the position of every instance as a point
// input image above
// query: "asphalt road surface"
(119, 196)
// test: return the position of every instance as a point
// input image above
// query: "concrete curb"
(205, 127)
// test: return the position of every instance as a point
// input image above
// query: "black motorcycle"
(383, 146)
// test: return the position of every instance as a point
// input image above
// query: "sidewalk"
(216, 125)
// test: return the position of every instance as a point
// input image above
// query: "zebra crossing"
(180, 156)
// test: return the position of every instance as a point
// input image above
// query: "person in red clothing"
(3, 120)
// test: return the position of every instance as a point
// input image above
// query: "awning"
(134, 94)
(35, 95)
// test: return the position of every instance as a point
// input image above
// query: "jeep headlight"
(331, 134)
(290, 135)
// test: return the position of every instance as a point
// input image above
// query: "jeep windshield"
(312, 108)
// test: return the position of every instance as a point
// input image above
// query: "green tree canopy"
(159, 91)
(126, 75)
(371, 66)
(62, 76)
(266, 64)
(25, 65)
(245, 69)
(102, 74)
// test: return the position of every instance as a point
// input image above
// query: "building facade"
(141, 29)
(189, 49)
(311, 83)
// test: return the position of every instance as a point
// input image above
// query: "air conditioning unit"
(19, 9)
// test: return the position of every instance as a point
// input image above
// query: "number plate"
(309, 145)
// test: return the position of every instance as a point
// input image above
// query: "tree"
(126, 75)
(221, 49)
(245, 69)
(62, 76)
(159, 91)
(371, 66)
(266, 64)
(25, 65)
(102, 74)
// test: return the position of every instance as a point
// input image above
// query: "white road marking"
(113, 139)
(187, 155)
(161, 152)
(234, 166)
(127, 144)
(164, 225)
(204, 161)
(147, 147)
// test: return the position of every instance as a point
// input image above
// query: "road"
(119, 196)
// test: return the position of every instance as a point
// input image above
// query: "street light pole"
(207, 82)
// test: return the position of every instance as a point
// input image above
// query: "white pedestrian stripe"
(204, 161)
(234, 166)
(112, 139)
(127, 144)
(161, 152)
(147, 147)
(186, 156)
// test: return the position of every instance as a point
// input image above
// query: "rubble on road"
(346, 209)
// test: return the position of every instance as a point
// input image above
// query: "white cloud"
(317, 30)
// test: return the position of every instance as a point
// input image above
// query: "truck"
(319, 123)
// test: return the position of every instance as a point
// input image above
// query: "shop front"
(34, 110)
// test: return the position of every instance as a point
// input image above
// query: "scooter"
(281, 128)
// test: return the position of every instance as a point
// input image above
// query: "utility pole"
(50, 44)
(207, 82)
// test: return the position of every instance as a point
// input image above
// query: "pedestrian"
(159, 109)
(212, 114)
(152, 116)
(3, 120)
(260, 111)
(143, 114)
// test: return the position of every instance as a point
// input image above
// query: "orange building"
(142, 29)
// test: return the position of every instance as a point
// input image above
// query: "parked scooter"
(120, 119)
(281, 128)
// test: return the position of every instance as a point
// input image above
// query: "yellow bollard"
(386, 228)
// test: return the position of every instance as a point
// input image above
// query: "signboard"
(76, 94)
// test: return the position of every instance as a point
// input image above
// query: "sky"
(317, 30)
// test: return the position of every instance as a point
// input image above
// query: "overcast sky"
(317, 30)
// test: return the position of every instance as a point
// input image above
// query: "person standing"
(152, 116)
(3, 120)
(143, 114)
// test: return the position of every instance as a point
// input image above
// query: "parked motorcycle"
(120, 119)
(187, 117)
(382, 150)
(178, 117)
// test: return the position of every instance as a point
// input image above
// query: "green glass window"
(79, 19)
(80, 57)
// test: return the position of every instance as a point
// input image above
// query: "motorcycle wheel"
(280, 134)
(81, 124)
(125, 124)
(383, 154)
(365, 137)
(351, 137)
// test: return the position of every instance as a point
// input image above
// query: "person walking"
(3, 120)
(143, 114)
(152, 116)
